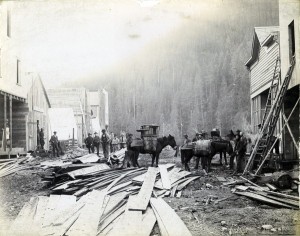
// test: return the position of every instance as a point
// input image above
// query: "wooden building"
(261, 66)
(77, 99)
(289, 23)
(270, 43)
(23, 99)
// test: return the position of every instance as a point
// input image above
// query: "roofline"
(45, 91)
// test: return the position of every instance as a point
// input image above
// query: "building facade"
(289, 19)
(23, 99)
(281, 42)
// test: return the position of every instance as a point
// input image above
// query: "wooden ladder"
(272, 91)
(263, 143)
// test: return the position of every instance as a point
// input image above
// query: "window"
(256, 112)
(18, 72)
(8, 24)
(291, 40)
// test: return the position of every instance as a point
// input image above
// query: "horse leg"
(153, 158)
(157, 157)
(136, 157)
(197, 162)
(225, 158)
(220, 157)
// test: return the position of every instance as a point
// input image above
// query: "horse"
(222, 147)
(206, 155)
(161, 144)
(187, 153)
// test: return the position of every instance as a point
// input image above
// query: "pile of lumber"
(117, 158)
(11, 166)
(267, 194)
(107, 202)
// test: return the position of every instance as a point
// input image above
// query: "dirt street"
(234, 215)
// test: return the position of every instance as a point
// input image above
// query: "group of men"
(240, 147)
(109, 142)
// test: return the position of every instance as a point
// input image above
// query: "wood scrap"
(144, 194)
(263, 199)
(169, 223)
(185, 183)
(164, 177)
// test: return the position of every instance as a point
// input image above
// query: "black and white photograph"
(149, 117)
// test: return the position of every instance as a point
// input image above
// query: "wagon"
(149, 135)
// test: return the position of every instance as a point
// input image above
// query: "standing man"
(54, 143)
(197, 137)
(239, 151)
(96, 142)
(89, 143)
(42, 141)
(115, 143)
(186, 140)
(123, 140)
(105, 140)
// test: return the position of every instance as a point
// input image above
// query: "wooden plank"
(51, 209)
(142, 200)
(148, 222)
(107, 221)
(88, 158)
(162, 228)
(173, 191)
(131, 222)
(40, 210)
(88, 170)
(174, 176)
(280, 199)
(140, 178)
(88, 220)
(271, 187)
(112, 225)
(164, 177)
(24, 224)
(182, 185)
(263, 199)
(169, 220)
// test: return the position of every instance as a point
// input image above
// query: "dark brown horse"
(222, 146)
(161, 144)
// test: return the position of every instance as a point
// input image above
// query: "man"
(89, 143)
(54, 143)
(123, 140)
(42, 141)
(105, 140)
(186, 139)
(197, 137)
(96, 142)
(115, 143)
(239, 151)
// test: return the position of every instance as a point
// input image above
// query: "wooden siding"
(288, 12)
(261, 72)
(38, 111)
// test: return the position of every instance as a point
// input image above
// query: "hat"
(103, 130)
(238, 131)
(130, 134)
(185, 135)
(89, 134)
(95, 133)
(54, 132)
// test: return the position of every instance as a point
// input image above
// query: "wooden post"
(10, 123)
(4, 140)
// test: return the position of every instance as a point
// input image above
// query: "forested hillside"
(194, 78)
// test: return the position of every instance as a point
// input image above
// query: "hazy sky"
(70, 40)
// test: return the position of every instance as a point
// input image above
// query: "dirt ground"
(234, 216)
